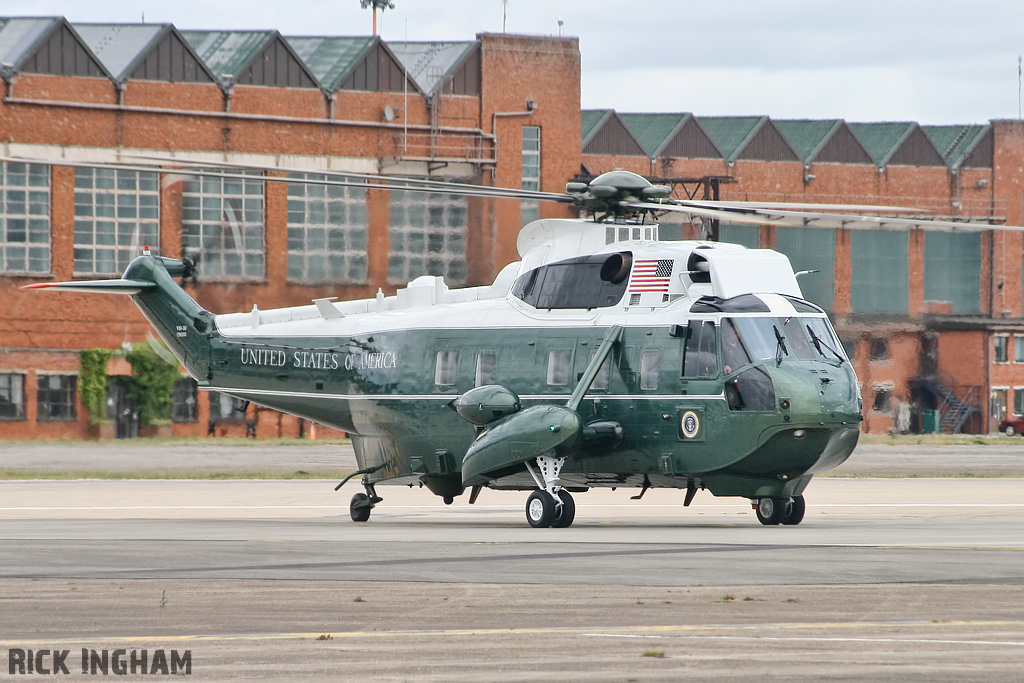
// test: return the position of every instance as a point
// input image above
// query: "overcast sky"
(931, 61)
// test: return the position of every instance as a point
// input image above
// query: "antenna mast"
(376, 5)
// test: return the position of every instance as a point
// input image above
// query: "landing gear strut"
(550, 505)
(788, 511)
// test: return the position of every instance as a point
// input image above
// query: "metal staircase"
(955, 412)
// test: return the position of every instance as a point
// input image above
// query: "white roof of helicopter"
(733, 269)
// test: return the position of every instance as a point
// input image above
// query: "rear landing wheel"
(540, 509)
(795, 514)
(771, 511)
(359, 508)
(567, 512)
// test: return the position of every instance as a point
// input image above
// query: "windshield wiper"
(780, 347)
(818, 343)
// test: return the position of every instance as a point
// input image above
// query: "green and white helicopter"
(603, 358)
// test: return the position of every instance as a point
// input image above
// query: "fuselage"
(747, 394)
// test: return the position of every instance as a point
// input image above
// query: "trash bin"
(930, 422)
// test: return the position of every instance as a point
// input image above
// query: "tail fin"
(184, 325)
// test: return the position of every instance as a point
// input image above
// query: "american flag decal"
(651, 275)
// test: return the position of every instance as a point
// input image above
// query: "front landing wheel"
(540, 509)
(359, 508)
(771, 511)
(567, 512)
(795, 513)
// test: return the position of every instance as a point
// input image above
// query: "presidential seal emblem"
(690, 424)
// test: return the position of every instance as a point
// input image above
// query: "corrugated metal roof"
(119, 46)
(428, 62)
(955, 142)
(330, 58)
(807, 136)
(591, 120)
(653, 131)
(731, 133)
(18, 35)
(227, 52)
(881, 140)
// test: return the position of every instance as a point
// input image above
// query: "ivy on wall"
(151, 385)
(92, 383)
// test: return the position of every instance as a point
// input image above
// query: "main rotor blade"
(441, 185)
(796, 206)
(814, 219)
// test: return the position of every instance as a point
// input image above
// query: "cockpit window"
(585, 282)
(733, 352)
(700, 357)
(745, 340)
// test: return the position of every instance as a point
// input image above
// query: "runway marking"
(689, 630)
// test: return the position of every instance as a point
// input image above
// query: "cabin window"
(446, 370)
(25, 227)
(223, 219)
(485, 364)
(12, 396)
(603, 373)
(55, 398)
(700, 355)
(585, 282)
(184, 403)
(558, 367)
(327, 230)
(117, 213)
(650, 367)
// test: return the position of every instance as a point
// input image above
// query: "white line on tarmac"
(693, 636)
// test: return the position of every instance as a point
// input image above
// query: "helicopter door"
(700, 379)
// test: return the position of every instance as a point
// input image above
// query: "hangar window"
(117, 213)
(55, 398)
(12, 396)
(327, 231)
(427, 235)
(1001, 344)
(184, 403)
(530, 210)
(24, 218)
(222, 221)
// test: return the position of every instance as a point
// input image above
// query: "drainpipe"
(531, 107)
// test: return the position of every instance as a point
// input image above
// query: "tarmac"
(889, 578)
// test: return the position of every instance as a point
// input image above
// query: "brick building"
(471, 111)
(933, 320)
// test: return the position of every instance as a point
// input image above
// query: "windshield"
(745, 340)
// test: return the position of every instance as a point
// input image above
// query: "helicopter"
(603, 358)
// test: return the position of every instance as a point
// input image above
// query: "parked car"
(1011, 426)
